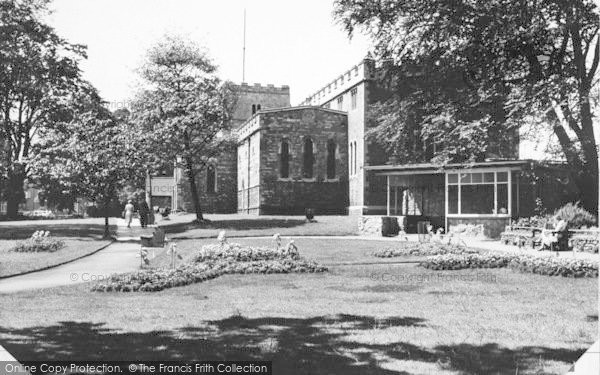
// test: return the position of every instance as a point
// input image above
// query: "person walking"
(143, 210)
(129, 213)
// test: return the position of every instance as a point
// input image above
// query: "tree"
(38, 71)
(184, 113)
(88, 156)
(527, 60)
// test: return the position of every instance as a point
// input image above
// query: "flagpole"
(244, 51)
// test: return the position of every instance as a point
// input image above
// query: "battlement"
(259, 88)
(362, 71)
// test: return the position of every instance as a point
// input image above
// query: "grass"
(241, 225)
(356, 319)
(12, 263)
(323, 251)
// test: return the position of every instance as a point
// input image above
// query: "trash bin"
(389, 226)
(422, 231)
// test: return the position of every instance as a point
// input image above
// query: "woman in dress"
(129, 213)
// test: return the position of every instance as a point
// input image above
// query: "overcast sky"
(295, 43)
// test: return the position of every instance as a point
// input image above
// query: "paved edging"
(58, 264)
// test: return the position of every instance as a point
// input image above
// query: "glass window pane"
(452, 178)
(503, 198)
(488, 177)
(465, 178)
(476, 178)
(502, 176)
(453, 199)
(477, 199)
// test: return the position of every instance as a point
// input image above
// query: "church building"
(316, 156)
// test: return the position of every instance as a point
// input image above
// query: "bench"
(157, 240)
(521, 236)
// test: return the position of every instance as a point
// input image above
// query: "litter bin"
(422, 231)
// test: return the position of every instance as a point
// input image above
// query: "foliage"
(575, 216)
(40, 241)
(533, 221)
(551, 266)
(39, 71)
(234, 252)
(422, 249)
(184, 113)
(152, 280)
(465, 73)
(88, 156)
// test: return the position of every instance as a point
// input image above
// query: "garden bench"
(157, 240)
(521, 236)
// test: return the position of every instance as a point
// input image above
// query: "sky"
(294, 43)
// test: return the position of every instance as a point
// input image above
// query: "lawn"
(240, 225)
(355, 319)
(12, 263)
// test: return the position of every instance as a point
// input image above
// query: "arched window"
(211, 179)
(253, 108)
(284, 159)
(331, 159)
(309, 160)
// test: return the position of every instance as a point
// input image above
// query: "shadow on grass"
(238, 224)
(296, 346)
(16, 232)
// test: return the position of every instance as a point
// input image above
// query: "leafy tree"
(184, 113)
(38, 72)
(501, 63)
(87, 157)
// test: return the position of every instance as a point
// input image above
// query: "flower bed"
(551, 266)
(422, 249)
(240, 253)
(213, 261)
(461, 261)
(39, 241)
(153, 280)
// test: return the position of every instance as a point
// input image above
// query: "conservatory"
(484, 195)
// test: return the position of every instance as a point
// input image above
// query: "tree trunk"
(106, 227)
(194, 190)
(14, 193)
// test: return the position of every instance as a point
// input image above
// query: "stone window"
(211, 179)
(309, 158)
(331, 159)
(353, 98)
(253, 108)
(284, 159)
(340, 102)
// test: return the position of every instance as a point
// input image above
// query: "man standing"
(144, 210)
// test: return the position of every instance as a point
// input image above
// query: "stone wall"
(295, 193)
(371, 225)
(490, 226)
(224, 199)
(267, 96)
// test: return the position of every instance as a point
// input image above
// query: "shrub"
(551, 266)
(153, 280)
(241, 253)
(533, 221)
(575, 216)
(422, 249)
(40, 241)
(462, 261)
